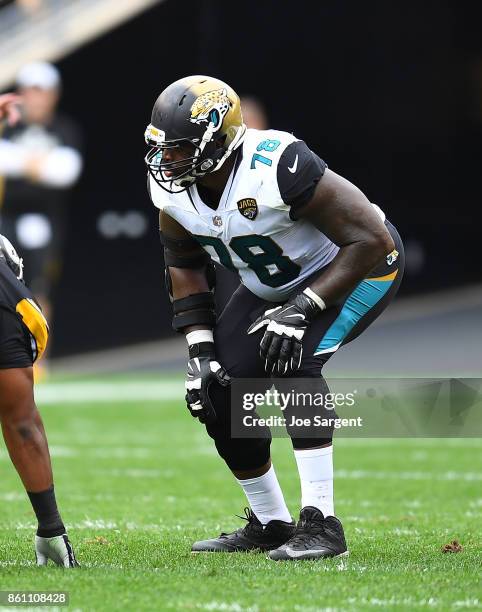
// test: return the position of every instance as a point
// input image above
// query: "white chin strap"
(175, 187)
(237, 140)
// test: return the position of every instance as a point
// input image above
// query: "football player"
(23, 338)
(317, 263)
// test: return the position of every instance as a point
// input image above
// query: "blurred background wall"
(388, 93)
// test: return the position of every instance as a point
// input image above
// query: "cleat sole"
(308, 556)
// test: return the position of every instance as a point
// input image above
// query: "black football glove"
(281, 346)
(202, 371)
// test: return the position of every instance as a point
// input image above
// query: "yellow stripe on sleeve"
(35, 321)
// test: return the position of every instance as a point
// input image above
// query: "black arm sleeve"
(298, 173)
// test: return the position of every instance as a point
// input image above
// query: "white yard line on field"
(384, 475)
(341, 474)
(121, 452)
(115, 391)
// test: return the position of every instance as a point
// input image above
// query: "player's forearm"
(193, 303)
(351, 265)
(344, 214)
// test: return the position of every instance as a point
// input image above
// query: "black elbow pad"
(197, 309)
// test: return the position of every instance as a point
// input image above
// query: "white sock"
(266, 498)
(315, 466)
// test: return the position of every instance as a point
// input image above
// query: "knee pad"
(238, 453)
(244, 453)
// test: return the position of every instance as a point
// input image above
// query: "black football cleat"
(253, 536)
(315, 537)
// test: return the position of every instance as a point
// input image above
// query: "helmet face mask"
(198, 116)
(174, 175)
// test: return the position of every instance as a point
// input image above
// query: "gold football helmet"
(201, 118)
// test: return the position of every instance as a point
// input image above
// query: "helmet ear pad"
(219, 142)
(212, 153)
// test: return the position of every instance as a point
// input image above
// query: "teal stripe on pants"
(365, 296)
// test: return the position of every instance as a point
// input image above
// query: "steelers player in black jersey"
(23, 339)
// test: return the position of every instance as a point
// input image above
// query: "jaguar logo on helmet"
(196, 124)
(210, 107)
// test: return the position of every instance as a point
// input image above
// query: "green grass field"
(138, 481)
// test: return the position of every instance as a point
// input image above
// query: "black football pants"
(238, 353)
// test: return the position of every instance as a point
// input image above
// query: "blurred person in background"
(254, 113)
(23, 339)
(40, 162)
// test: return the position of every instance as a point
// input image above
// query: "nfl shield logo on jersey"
(248, 208)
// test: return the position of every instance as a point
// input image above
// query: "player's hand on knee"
(281, 345)
(202, 372)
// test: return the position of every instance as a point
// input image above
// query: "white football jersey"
(251, 231)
